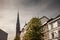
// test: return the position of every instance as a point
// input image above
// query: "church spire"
(17, 28)
(18, 24)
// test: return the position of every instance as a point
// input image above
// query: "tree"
(34, 31)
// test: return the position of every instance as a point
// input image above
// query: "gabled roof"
(3, 31)
(55, 19)
(57, 16)
(52, 20)
(44, 17)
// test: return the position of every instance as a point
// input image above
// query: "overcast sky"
(27, 10)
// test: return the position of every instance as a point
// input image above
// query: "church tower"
(18, 28)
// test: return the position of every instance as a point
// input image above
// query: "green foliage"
(34, 31)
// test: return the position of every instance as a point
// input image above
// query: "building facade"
(44, 20)
(3, 35)
(54, 28)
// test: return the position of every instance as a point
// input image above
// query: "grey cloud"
(30, 2)
(54, 5)
(51, 3)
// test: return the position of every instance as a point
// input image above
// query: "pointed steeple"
(17, 37)
(18, 22)
(18, 25)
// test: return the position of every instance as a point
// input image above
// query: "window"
(52, 35)
(55, 24)
(50, 26)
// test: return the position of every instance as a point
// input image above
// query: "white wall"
(54, 25)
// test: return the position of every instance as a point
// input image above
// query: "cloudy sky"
(27, 10)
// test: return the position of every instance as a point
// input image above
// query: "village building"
(3, 35)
